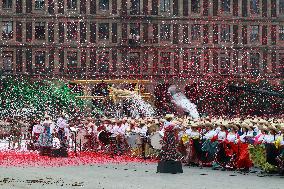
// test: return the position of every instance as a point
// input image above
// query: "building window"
(104, 5)
(281, 64)
(195, 6)
(254, 36)
(135, 7)
(71, 61)
(281, 7)
(39, 61)
(195, 32)
(134, 62)
(165, 6)
(7, 30)
(194, 63)
(7, 4)
(103, 64)
(254, 63)
(165, 32)
(281, 33)
(134, 34)
(39, 4)
(225, 33)
(224, 64)
(72, 4)
(71, 31)
(165, 61)
(40, 30)
(7, 61)
(226, 6)
(104, 31)
(254, 6)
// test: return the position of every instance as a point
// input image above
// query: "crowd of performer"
(235, 143)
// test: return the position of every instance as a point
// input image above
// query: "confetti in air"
(181, 101)
(140, 108)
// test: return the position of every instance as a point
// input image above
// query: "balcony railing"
(134, 42)
(133, 13)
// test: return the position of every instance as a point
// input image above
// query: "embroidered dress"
(46, 136)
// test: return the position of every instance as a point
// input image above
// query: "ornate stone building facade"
(154, 39)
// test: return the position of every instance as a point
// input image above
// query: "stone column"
(88, 29)
(79, 57)
(33, 60)
(14, 61)
(1, 11)
(55, 7)
(87, 61)
(202, 70)
(56, 61)
(180, 7)
(65, 59)
(269, 8)
(210, 66)
(1, 58)
(24, 60)
(56, 31)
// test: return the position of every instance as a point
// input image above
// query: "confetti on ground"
(33, 159)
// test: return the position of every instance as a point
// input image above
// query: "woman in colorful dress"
(46, 135)
(209, 146)
(243, 161)
(220, 155)
(192, 151)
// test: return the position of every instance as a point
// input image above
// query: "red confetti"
(33, 159)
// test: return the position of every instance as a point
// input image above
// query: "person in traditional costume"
(67, 135)
(257, 151)
(169, 143)
(247, 133)
(182, 136)
(222, 158)
(113, 129)
(37, 130)
(46, 137)
(15, 133)
(271, 150)
(231, 147)
(120, 138)
(91, 133)
(103, 133)
(280, 146)
(142, 140)
(193, 147)
(243, 161)
(135, 143)
(61, 124)
(209, 146)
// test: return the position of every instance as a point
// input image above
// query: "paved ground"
(134, 176)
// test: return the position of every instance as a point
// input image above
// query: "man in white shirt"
(37, 130)
(114, 128)
(61, 125)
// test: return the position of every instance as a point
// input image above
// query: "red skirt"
(243, 160)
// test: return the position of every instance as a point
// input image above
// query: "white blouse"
(194, 134)
(222, 135)
(210, 134)
(231, 137)
(268, 138)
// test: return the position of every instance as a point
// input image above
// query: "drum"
(104, 137)
(156, 141)
(133, 140)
